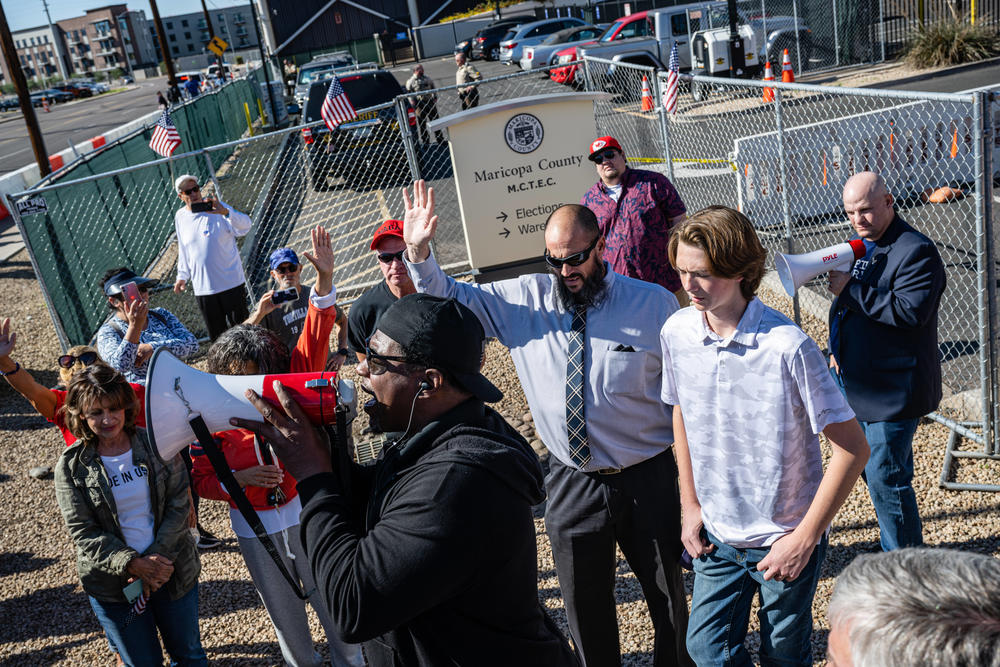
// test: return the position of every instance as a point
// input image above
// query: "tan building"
(95, 42)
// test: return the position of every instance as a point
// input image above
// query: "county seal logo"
(523, 133)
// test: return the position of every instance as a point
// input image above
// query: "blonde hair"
(66, 374)
(729, 240)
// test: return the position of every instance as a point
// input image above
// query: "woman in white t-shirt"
(127, 512)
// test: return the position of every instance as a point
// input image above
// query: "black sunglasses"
(606, 155)
(287, 268)
(191, 190)
(576, 259)
(390, 257)
(87, 358)
(376, 361)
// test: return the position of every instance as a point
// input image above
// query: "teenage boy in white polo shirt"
(751, 392)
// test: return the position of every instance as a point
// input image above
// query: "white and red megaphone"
(796, 270)
(175, 391)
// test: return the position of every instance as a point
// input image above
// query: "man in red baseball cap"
(636, 210)
(388, 247)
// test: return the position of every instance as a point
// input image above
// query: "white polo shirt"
(753, 405)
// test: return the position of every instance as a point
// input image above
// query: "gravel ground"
(39, 587)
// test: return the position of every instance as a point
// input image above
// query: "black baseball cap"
(113, 285)
(444, 333)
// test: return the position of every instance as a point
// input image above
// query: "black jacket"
(888, 346)
(445, 571)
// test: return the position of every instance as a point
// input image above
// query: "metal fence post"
(664, 129)
(60, 330)
(785, 211)
(983, 156)
(404, 131)
(798, 44)
(211, 174)
(836, 34)
(588, 85)
(881, 27)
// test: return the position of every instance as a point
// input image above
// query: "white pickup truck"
(701, 31)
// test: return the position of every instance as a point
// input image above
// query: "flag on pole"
(165, 137)
(337, 108)
(670, 94)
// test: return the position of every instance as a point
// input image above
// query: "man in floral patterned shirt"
(636, 209)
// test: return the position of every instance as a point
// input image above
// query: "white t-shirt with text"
(130, 488)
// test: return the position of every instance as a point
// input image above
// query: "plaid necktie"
(576, 422)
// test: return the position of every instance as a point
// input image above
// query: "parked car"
(76, 89)
(485, 44)
(370, 144)
(126, 79)
(513, 43)
(544, 54)
(52, 95)
(9, 104)
(308, 71)
(627, 27)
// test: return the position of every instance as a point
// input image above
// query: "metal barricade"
(782, 154)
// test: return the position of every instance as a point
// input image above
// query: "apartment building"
(187, 34)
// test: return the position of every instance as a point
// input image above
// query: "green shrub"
(952, 42)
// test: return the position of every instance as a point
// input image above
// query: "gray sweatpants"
(287, 611)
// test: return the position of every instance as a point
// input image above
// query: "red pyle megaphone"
(796, 270)
(174, 391)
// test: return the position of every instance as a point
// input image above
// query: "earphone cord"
(409, 422)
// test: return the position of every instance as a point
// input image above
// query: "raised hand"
(136, 313)
(321, 258)
(419, 221)
(7, 338)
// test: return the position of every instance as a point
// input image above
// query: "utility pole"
(17, 74)
(211, 34)
(55, 42)
(263, 62)
(165, 50)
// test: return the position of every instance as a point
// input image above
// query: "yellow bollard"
(246, 110)
(260, 108)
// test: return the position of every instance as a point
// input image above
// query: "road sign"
(218, 45)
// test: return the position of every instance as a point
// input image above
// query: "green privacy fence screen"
(125, 217)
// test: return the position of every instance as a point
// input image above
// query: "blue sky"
(30, 13)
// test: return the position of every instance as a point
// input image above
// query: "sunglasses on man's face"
(193, 189)
(286, 268)
(376, 361)
(87, 358)
(606, 155)
(390, 257)
(576, 259)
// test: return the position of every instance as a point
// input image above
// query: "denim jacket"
(88, 507)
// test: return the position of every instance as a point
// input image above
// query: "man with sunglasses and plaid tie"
(636, 209)
(585, 343)
(388, 247)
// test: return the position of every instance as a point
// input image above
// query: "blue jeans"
(138, 645)
(725, 583)
(889, 475)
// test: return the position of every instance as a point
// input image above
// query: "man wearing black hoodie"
(433, 562)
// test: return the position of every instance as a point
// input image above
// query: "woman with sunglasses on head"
(49, 401)
(127, 512)
(127, 340)
(248, 349)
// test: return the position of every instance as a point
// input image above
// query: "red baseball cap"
(600, 143)
(387, 229)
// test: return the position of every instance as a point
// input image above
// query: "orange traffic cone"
(647, 96)
(787, 75)
(45, 104)
(768, 76)
(954, 144)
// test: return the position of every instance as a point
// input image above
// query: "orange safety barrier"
(97, 142)
(55, 162)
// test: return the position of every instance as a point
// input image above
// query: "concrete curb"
(931, 74)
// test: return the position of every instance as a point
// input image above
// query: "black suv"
(486, 44)
(371, 144)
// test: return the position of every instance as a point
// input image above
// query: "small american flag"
(137, 608)
(670, 94)
(165, 137)
(337, 108)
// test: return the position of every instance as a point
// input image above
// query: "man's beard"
(590, 294)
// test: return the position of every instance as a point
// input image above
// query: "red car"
(633, 25)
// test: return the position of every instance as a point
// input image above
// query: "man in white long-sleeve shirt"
(585, 343)
(207, 256)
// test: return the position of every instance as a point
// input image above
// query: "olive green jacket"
(88, 507)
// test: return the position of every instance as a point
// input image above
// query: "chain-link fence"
(782, 155)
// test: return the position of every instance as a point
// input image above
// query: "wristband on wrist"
(342, 351)
(17, 367)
